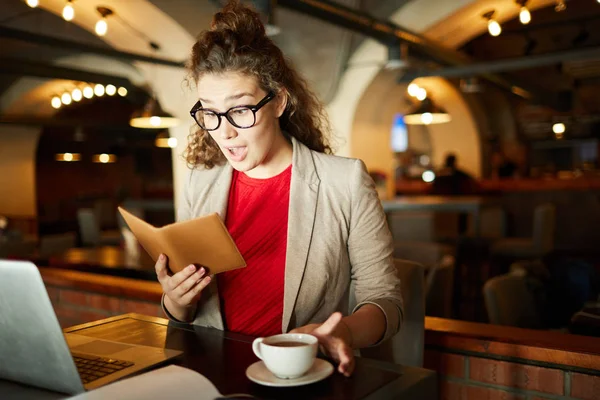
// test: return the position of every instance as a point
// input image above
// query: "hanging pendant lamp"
(152, 116)
(427, 113)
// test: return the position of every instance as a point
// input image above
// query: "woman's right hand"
(183, 289)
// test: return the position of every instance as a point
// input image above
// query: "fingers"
(189, 283)
(181, 276)
(161, 268)
(346, 359)
(195, 291)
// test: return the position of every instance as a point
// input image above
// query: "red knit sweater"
(257, 219)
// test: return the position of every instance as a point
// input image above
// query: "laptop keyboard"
(91, 367)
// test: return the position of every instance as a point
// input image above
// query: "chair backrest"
(544, 224)
(407, 346)
(409, 225)
(439, 288)
(88, 227)
(508, 301)
(429, 254)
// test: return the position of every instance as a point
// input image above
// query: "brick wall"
(78, 306)
(468, 377)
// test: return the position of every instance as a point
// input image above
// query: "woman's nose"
(227, 131)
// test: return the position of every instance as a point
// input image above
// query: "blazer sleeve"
(370, 249)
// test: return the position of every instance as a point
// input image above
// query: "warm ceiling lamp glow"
(122, 91)
(428, 176)
(560, 6)
(76, 94)
(427, 113)
(104, 158)
(413, 89)
(421, 94)
(559, 128)
(88, 92)
(494, 27)
(163, 140)
(524, 15)
(68, 12)
(99, 90)
(101, 27)
(33, 3)
(68, 157)
(65, 98)
(111, 90)
(55, 102)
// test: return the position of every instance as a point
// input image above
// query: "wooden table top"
(223, 358)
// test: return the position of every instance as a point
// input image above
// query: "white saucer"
(259, 373)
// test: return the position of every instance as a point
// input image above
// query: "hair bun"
(240, 20)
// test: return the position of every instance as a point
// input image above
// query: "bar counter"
(473, 360)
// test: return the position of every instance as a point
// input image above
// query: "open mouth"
(237, 153)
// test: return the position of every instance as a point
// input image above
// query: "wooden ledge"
(105, 284)
(496, 341)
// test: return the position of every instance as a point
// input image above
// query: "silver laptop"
(33, 349)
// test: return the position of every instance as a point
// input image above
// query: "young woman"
(307, 222)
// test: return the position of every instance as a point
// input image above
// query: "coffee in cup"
(287, 356)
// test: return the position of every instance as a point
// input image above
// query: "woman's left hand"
(335, 340)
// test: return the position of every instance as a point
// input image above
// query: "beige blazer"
(337, 231)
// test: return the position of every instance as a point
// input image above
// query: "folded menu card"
(202, 241)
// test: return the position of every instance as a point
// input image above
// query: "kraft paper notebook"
(202, 241)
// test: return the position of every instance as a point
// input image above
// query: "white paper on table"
(172, 382)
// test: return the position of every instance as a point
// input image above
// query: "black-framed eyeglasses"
(239, 116)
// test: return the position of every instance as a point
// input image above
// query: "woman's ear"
(281, 102)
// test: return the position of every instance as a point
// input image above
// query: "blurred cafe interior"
(478, 120)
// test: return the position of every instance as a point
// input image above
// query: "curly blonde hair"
(236, 42)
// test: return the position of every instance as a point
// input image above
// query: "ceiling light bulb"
(33, 3)
(172, 142)
(427, 118)
(560, 6)
(99, 90)
(155, 121)
(428, 176)
(525, 16)
(68, 157)
(68, 12)
(122, 91)
(104, 158)
(559, 128)
(88, 92)
(101, 27)
(494, 27)
(76, 94)
(421, 94)
(111, 90)
(413, 89)
(55, 102)
(65, 98)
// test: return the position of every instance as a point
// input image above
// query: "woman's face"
(249, 148)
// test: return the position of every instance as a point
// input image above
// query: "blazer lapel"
(220, 192)
(304, 190)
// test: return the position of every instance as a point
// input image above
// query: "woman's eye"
(240, 111)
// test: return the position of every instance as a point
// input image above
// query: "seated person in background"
(306, 222)
(451, 180)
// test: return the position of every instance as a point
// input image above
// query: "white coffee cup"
(287, 356)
